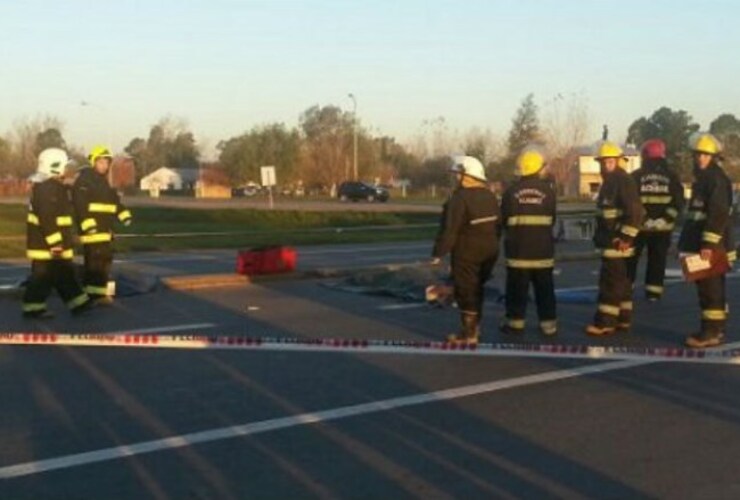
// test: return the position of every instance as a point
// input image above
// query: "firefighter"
(619, 217)
(527, 217)
(661, 193)
(707, 231)
(469, 231)
(98, 207)
(49, 243)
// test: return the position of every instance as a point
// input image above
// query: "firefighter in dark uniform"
(707, 231)
(49, 243)
(661, 194)
(469, 231)
(527, 217)
(619, 217)
(98, 208)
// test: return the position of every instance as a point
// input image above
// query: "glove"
(435, 261)
(621, 244)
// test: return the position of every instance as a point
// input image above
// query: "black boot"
(470, 330)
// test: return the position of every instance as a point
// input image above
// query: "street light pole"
(354, 131)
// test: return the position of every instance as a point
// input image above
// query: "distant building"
(170, 179)
(586, 180)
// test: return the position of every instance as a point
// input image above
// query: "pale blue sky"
(226, 65)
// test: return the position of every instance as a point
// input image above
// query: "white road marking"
(163, 329)
(248, 429)
(398, 307)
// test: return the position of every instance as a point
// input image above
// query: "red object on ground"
(267, 260)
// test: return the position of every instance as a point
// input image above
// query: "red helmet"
(654, 149)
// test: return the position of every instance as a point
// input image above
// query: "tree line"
(319, 150)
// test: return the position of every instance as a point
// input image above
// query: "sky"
(225, 66)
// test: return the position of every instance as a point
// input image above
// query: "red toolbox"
(266, 260)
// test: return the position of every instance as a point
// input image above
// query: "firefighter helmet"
(704, 142)
(52, 163)
(529, 162)
(99, 152)
(467, 165)
(654, 149)
(608, 149)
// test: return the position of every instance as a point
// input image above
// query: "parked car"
(355, 191)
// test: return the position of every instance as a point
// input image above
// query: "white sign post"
(268, 181)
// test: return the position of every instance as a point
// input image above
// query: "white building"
(165, 179)
(588, 174)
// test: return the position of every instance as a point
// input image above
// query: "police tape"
(231, 342)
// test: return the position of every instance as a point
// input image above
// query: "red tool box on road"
(266, 260)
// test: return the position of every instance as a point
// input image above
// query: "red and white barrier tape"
(673, 354)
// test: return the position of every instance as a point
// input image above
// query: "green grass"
(266, 228)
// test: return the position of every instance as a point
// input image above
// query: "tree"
(566, 121)
(170, 144)
(50, 138)
(327, 133)
(525, 127)
(5, 156)
(273, 144)
(26, 140)
(525, 130)
(727, 129)
(673, 128)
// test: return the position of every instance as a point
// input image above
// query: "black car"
(360, 191)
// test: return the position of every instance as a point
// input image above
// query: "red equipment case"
(266, 260)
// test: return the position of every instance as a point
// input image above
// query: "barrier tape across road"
(246, 343)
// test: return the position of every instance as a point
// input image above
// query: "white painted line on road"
(261, 427)
(160, 329)
(399, 307)
(175, 258)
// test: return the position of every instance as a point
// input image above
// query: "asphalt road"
(430, 427)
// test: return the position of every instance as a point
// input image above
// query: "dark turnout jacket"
(527, 216)
(97, 206)
(619, 212)
(469, 227)
(49, 221)
(708, 223)
(661, 194)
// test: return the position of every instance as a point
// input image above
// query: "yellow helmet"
(609, 150)
(703, 142)
(99, 152)
(529, 162)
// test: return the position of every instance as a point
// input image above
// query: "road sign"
(268, 176)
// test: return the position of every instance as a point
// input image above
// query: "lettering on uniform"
(653, 188)
(530, 196)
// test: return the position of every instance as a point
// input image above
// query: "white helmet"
(52, 163)
(467, 165)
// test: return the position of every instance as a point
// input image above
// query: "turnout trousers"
(469, 278)
(48, 275)
(615, 293)
(712, 301)
(517, 292)
(98, 261)
(657, 243)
